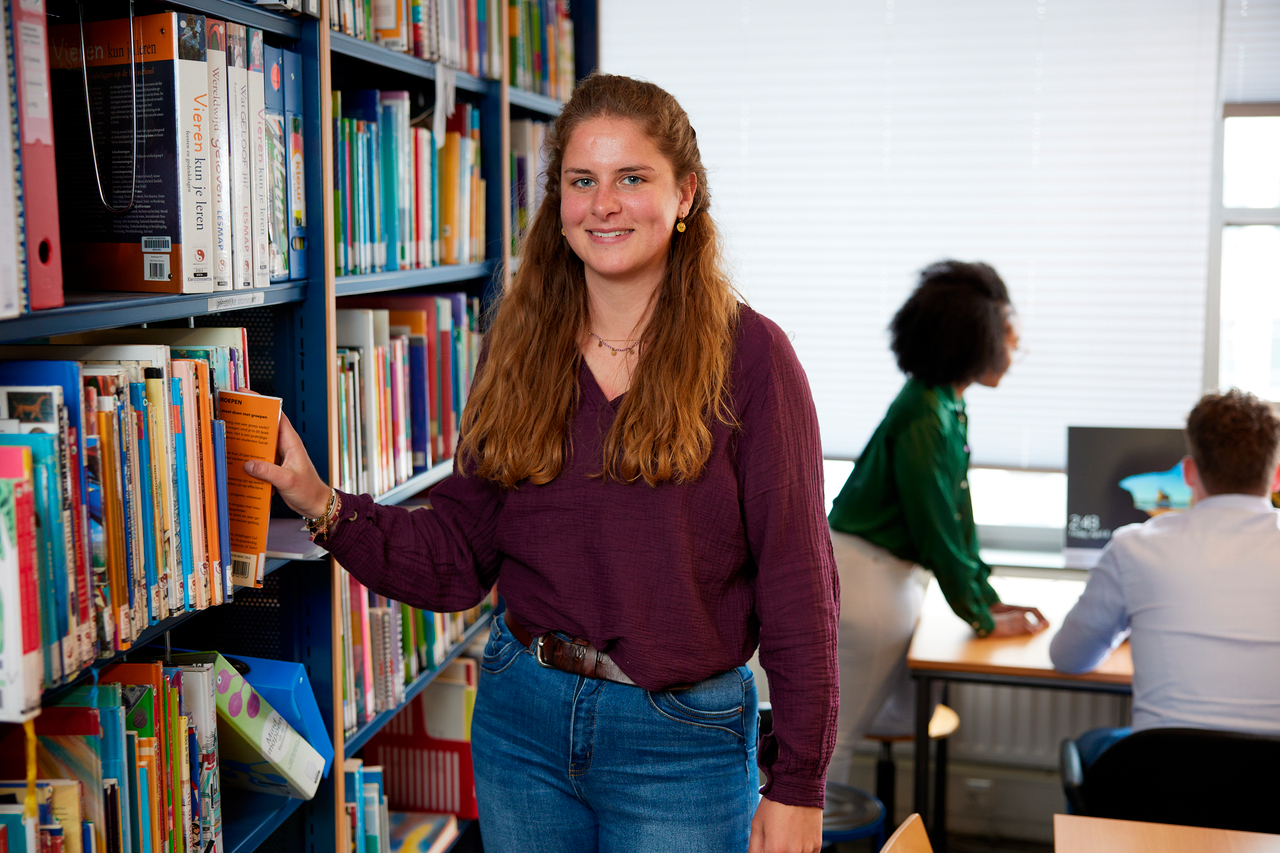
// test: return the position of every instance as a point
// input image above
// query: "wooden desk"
(945, 649)
(1076, 834)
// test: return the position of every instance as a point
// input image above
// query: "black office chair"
(1191, 777)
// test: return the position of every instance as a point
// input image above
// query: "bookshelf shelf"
(248, 818)
(415, 484)
(154, 634)
(366, 51)
(532, 101)
(100, 309)
(271, 22)
(358, 285)
(361, 736)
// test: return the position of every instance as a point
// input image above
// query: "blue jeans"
(566, 764)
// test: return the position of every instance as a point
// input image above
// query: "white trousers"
(880, 600)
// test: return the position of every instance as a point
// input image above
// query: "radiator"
(1022, 726)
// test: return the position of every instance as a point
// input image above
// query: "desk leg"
(940, 786)
(920, 802)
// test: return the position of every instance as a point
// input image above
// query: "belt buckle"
(537, 652)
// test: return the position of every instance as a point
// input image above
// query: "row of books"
(137, 762)
(526, 167)
(402, 198)
(122, 493)
(373, 827)
(213, 197)
(387, 645)
(462, 34)
(541, 47)
(405, 365)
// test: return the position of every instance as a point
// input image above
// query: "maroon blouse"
(678, 582)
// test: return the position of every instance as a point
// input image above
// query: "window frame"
(1220, 218)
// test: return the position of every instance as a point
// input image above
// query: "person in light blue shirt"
(1197, 593)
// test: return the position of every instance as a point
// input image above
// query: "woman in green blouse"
(906, 505)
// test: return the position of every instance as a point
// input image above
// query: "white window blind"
(850, 144)
(1250, 60)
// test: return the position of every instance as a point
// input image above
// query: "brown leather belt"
(576, 657)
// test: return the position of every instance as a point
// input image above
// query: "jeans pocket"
(502, 649)
(718, 702)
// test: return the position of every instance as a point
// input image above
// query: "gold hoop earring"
(680, 225)
(562, 234)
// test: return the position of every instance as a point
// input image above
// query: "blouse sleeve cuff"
(795, 790)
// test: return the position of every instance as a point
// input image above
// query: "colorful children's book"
(295, 130)
(198, 692)
(22, 655)
(55, 606)
(277, 153)
(182, 488)
(149, 501)
(142, 696)
(224, 517)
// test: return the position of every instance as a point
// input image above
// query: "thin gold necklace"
(611, 347)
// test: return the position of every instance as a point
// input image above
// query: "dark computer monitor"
(1118, 476)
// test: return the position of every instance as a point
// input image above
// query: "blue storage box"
(285, 687)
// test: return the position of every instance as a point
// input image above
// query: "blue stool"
(849, 814)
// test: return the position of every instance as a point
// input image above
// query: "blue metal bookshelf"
(534, 102)
(358, 285)
(249, 818)
(415, 484)
(375, 54)
(105, 309)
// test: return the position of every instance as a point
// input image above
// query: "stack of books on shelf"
(401, 202)
(405, 365)
(30, 245)
(462, 34)
(213, 197)
(387, 645)
(119, 506)
(138, 760)
(541, 47)
(373, 825)
(527, 163)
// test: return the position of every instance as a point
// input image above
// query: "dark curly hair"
(1234, 438)
(952, 328)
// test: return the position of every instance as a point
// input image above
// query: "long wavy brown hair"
(516, 424)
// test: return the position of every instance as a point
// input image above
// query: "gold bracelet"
(319, 526)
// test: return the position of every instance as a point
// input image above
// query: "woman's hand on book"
(295, 478)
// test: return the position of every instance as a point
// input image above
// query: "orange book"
(450, 199)
(113, 521)
(253, 424)
(149, 758)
